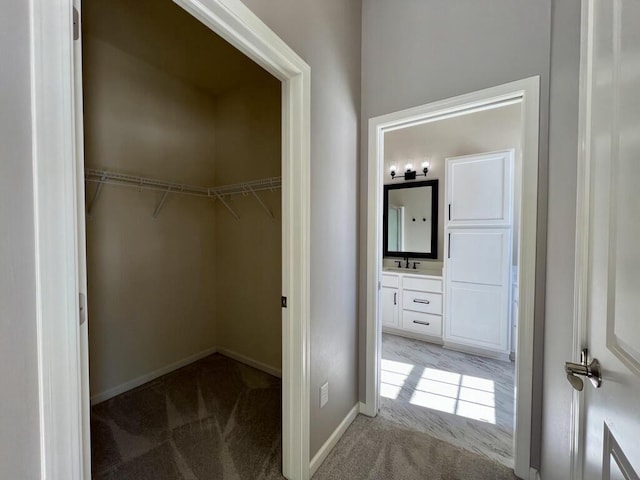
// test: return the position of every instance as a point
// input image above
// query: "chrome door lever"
(591, 370)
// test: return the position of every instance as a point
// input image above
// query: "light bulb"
(409, 166)
(425, 164)
(393, 168)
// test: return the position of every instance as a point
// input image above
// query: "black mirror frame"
(434, 219)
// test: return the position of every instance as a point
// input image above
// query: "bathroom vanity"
(411, 304)
(468, 308)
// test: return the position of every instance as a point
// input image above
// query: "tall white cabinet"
(478, 252)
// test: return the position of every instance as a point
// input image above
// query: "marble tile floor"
(462, 399)
(215, 418)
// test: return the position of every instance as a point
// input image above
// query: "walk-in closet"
(182, 147)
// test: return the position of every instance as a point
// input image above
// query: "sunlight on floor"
(394, 375)
(449, 392)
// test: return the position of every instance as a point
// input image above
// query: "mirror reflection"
(411, 219)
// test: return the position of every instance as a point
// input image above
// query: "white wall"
(326, 34)
(479, 132)
(19, 417)
(419, 51)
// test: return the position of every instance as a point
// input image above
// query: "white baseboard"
(413, 335)
(147, 377)
(141, 380)
(534, 474)
(276, 372)
(331, 442)
(459, 347)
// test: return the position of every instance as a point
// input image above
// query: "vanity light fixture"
(410, 173)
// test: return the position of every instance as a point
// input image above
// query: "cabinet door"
(479, 189)
(389, 301)
(477, 288)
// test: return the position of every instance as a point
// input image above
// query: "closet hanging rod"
(124, 180)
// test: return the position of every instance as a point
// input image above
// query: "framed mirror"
(410, 219)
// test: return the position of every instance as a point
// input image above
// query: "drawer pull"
(417, 300)
(420, 322)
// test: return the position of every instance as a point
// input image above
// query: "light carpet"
(376, 448)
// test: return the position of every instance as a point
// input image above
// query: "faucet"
(399, 263)
(406, 260)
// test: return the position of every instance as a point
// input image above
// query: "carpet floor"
(215, 418)
(378, 449)
(220, 419)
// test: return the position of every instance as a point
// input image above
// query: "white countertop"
(432, 272)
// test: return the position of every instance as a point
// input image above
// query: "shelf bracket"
(161, 203)
(219, 197)
(257, 197)
(96, 195)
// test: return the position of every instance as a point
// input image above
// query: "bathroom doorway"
(427, 349)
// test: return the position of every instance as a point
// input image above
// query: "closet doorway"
(450, 308)
(197, 250)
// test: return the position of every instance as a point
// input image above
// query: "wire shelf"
(105, 177)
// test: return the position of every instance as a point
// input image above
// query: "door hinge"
(83, 308)
(76, 24)
(283, 302)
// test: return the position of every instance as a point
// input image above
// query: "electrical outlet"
(324, 394)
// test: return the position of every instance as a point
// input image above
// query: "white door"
(610, 446)
(479, 189)
(389, 303)
(477, 295)
(396, 229)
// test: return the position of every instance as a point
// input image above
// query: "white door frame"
(57, 171)
(583, 225)
(528, 90)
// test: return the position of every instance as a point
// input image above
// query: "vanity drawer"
(424, 323)
(390, 280)
(422, 284)
(425, 302)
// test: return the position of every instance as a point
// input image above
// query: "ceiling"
(162, 34)
(477, 132)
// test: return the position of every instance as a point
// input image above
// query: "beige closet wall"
(151, 281)
(248, 255)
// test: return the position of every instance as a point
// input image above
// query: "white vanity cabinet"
(411, 305)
